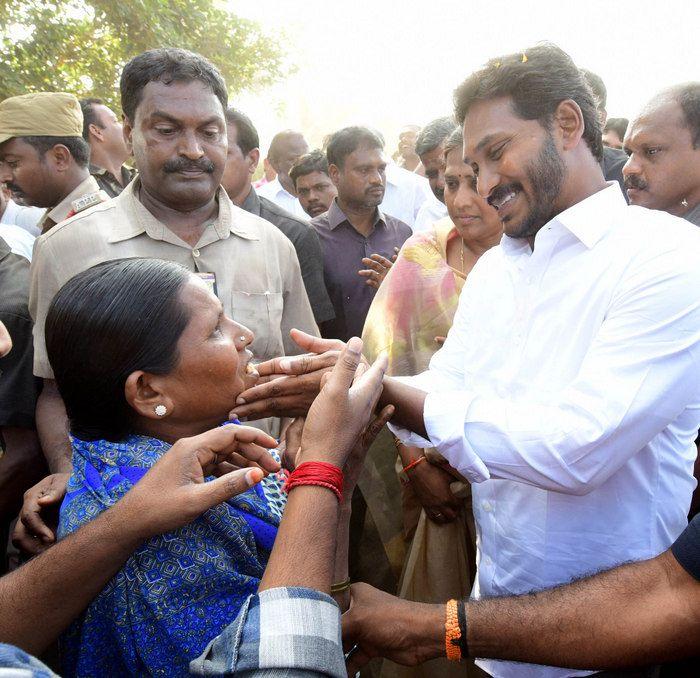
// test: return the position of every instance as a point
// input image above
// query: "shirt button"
(195, 252)
(486, 506)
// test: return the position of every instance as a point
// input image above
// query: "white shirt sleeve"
(641, 372)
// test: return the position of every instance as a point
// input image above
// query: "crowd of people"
(200, 372)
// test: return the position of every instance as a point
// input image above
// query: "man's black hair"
(433, 134)
(617, 125)
(246, 135)
(536, 81)
(94, 345)
(89, 116)
(343, 142)
(78, 147)
(688, 98)
(167, 65)
(600, 91)
(315, 161)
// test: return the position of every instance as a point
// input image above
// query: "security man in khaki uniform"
(43, 156)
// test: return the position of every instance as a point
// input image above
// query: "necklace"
(461, 257)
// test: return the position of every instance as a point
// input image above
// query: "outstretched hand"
(173, 492)
(343, 408)
(288, 385)
(377, 268)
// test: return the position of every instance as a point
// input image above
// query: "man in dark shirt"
(108, 153)
(22, 462)
(315, 190)
(613, 158)
(354, 229)
(241, 162)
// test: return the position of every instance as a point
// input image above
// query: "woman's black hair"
(105, 323)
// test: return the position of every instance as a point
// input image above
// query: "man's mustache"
(183, 165)
(635, 182)
(13, 187)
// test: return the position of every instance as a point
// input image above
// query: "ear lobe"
(253, 160)
(333, 173)
(96, 131)
(127, 130)
(569, 120)
(144, 394)
(61, 157)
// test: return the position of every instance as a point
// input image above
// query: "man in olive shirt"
(108, 152)
(241, 162)
(173, 103)
(44, 157)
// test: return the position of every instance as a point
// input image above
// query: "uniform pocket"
(260, 312)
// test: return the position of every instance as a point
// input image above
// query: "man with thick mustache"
(173, 103)
(663, 171)
(567, 390)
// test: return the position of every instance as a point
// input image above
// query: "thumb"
(50, 497)
(209, 494)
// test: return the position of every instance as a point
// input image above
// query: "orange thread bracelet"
(415, 463)
(453, 633)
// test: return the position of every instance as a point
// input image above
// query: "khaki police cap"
(44, 114)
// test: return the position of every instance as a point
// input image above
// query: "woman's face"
(473, 217)
(212, 368)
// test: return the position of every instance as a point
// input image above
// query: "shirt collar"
(252, 202)
(591, 219)
(64, 208)
(230, 218)
(693, 216)
(336, 216)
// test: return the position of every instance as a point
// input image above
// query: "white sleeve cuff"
(445, 416)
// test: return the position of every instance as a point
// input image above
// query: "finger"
(286, 385)
(356, 661)
(312, 344)
(259, 456)
(377, 424)
(376, 266)
(27, 542)
(383, 262)
(207, 495)
(35, 525)
(370, 384)
(287, 406)
(344, 371)
(250, 434)
(308, 362)
(221, 442)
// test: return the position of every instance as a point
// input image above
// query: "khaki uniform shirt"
(257, 272)
(65, 207)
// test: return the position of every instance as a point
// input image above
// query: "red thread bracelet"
(415, 463)
(318, 473)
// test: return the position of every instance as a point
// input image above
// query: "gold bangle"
(340, 587)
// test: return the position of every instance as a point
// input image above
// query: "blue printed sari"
(178, 590)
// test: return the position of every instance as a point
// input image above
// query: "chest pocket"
(261, 313)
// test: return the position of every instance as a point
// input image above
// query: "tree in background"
(81, 46)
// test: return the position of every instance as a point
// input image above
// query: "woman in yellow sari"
(409, 318)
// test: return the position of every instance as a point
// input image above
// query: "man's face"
(30, 176)
(239, 168)
(111, 132)
(520, 171)
(434, 164)
(179, 143)
(315, 192)
(289, 150)
(361, 181)
(663, 168)
(611, 139)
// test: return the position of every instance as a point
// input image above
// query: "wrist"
(429, 634)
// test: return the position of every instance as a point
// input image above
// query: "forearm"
(40, 599)
(304, 550)
(409, 403)
(52, 427)
(637, 614)
(340, 568)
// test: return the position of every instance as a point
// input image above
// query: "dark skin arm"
(42, 597)
(52, 426)
(634, 615)
(21, 466)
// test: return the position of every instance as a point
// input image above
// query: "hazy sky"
(389, 63)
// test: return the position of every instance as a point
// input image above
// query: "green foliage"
(81, 46)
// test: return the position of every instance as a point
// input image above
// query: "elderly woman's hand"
(288, 385)
(173, 492)
(343, 408)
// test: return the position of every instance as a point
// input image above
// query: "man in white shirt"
(567, 390)
(26, 218)
(285, 149)
(405, 194)
(430, 147)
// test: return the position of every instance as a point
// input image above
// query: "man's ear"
(61, 157)
(146, 395)
(568, 120)
(127, 131)
(334, 174)
(96, 131)
(253, 159)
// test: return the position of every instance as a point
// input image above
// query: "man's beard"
(546, 176)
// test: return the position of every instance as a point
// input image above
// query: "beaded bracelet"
(452, 632)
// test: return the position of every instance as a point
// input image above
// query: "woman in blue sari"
(143, 356)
